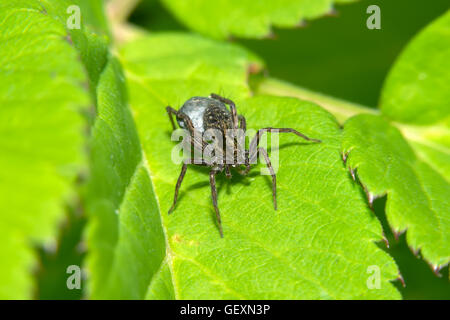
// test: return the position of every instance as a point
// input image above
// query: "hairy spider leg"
(170, 112)
(255, 149)
(232, 107)
(243, 126)
(180, 180)
(242, 122)
(177, 187)
(234, 117)
(236, 150)
(195, 143)
(255, 141)
(272, 173)
(212, 181)
(227, 171)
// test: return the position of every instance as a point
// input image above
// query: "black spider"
(199, 114)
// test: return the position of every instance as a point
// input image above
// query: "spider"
(199, 114)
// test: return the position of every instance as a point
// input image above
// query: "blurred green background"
(336, 55)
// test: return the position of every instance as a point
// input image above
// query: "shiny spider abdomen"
(205, 113)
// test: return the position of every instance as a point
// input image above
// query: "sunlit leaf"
(246, 18)
(319, 244)
(43, 92)
(418, 198)
(416, 93)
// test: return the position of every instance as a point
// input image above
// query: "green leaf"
(416, 90)
(124, 223)
(118, 170)
(416, 94)
(246, 18)
(417, 182)
(41, 136)
(418, 197)
(416, 100)
(93, 14)
(181, 57)
(318, 245)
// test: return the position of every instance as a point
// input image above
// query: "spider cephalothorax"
(200, 114)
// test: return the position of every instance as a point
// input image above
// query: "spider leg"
(180, 179)
(232, 107)
(272, 173)
(255, 141)
(170, 112)
(212, 181)
(243, 126)
(242, 122)
(247, 165)
(177, 187)
(227, 171)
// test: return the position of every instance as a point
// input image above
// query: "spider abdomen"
(205, 113)
(217, 116)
